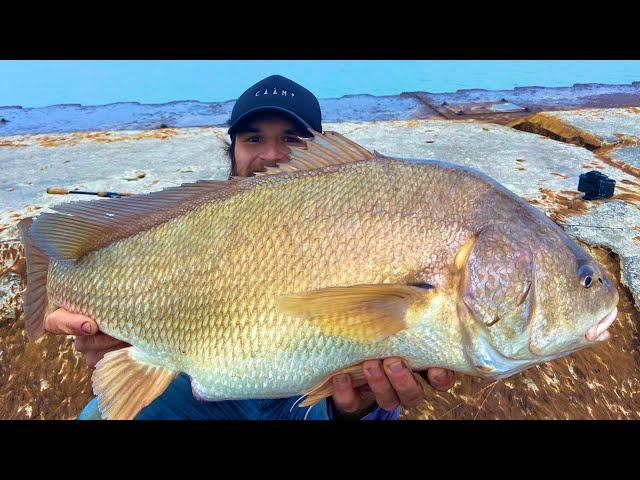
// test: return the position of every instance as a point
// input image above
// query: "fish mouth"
(598, 332)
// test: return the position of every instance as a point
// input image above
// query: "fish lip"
(598, 332)
(595, 334)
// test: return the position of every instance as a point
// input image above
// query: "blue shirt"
(178, 403)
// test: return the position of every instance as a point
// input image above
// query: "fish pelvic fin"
(77, 228)
(325, 388)
(36, 303)
(322, 150)
(359, 312)
(125, 383)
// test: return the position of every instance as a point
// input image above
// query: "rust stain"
(637, 239)
(604, 155)
(631, 198)
(561, 175)
(103, 137)
(627, 140)
(553, 127)
(521, 160)
(630, 182)
(9, 143)
(560, 205)
(522, 169)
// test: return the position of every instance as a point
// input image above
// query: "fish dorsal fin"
(322, 150)
(125, 383)
(359, 312)
(81, 227)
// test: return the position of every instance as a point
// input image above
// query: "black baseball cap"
(278, 93)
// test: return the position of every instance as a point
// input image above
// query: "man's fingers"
(407, 388)
(99, 341)
(92, 358)
(62, 322)
(345, 397)
(380, 385)
(440, 379)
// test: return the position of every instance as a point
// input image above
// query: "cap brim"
(301, 123)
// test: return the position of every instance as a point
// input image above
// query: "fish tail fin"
(126, 382)
(36, 301)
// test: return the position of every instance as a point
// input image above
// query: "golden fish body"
(198, 293)
(202, 292)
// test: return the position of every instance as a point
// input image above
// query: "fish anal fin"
(125, 383)
(359, 312)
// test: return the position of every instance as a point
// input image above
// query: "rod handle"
(57, 190)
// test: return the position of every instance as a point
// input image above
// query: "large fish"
(266, 287)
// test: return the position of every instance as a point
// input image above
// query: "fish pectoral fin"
(125, 383)
(360, 312)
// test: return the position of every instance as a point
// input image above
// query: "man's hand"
(89, 340)
(390, 384)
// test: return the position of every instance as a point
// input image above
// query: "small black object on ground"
(596, 185)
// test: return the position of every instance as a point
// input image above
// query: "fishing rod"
(66, 191)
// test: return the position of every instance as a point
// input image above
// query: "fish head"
(576, 302)
(529, 294)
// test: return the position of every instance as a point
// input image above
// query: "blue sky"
(51, 82)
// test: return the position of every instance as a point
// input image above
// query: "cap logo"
(284, 93)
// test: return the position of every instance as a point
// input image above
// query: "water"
(53, 82)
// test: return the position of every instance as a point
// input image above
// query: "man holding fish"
(266, 121)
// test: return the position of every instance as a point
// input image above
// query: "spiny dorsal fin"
(81, 227)
(322, 150)
(359, 312)
(125, 383)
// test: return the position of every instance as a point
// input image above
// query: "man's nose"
(275, 153)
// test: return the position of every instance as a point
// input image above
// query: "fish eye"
(586, 275)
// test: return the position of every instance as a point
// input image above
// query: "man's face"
(265, 143)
